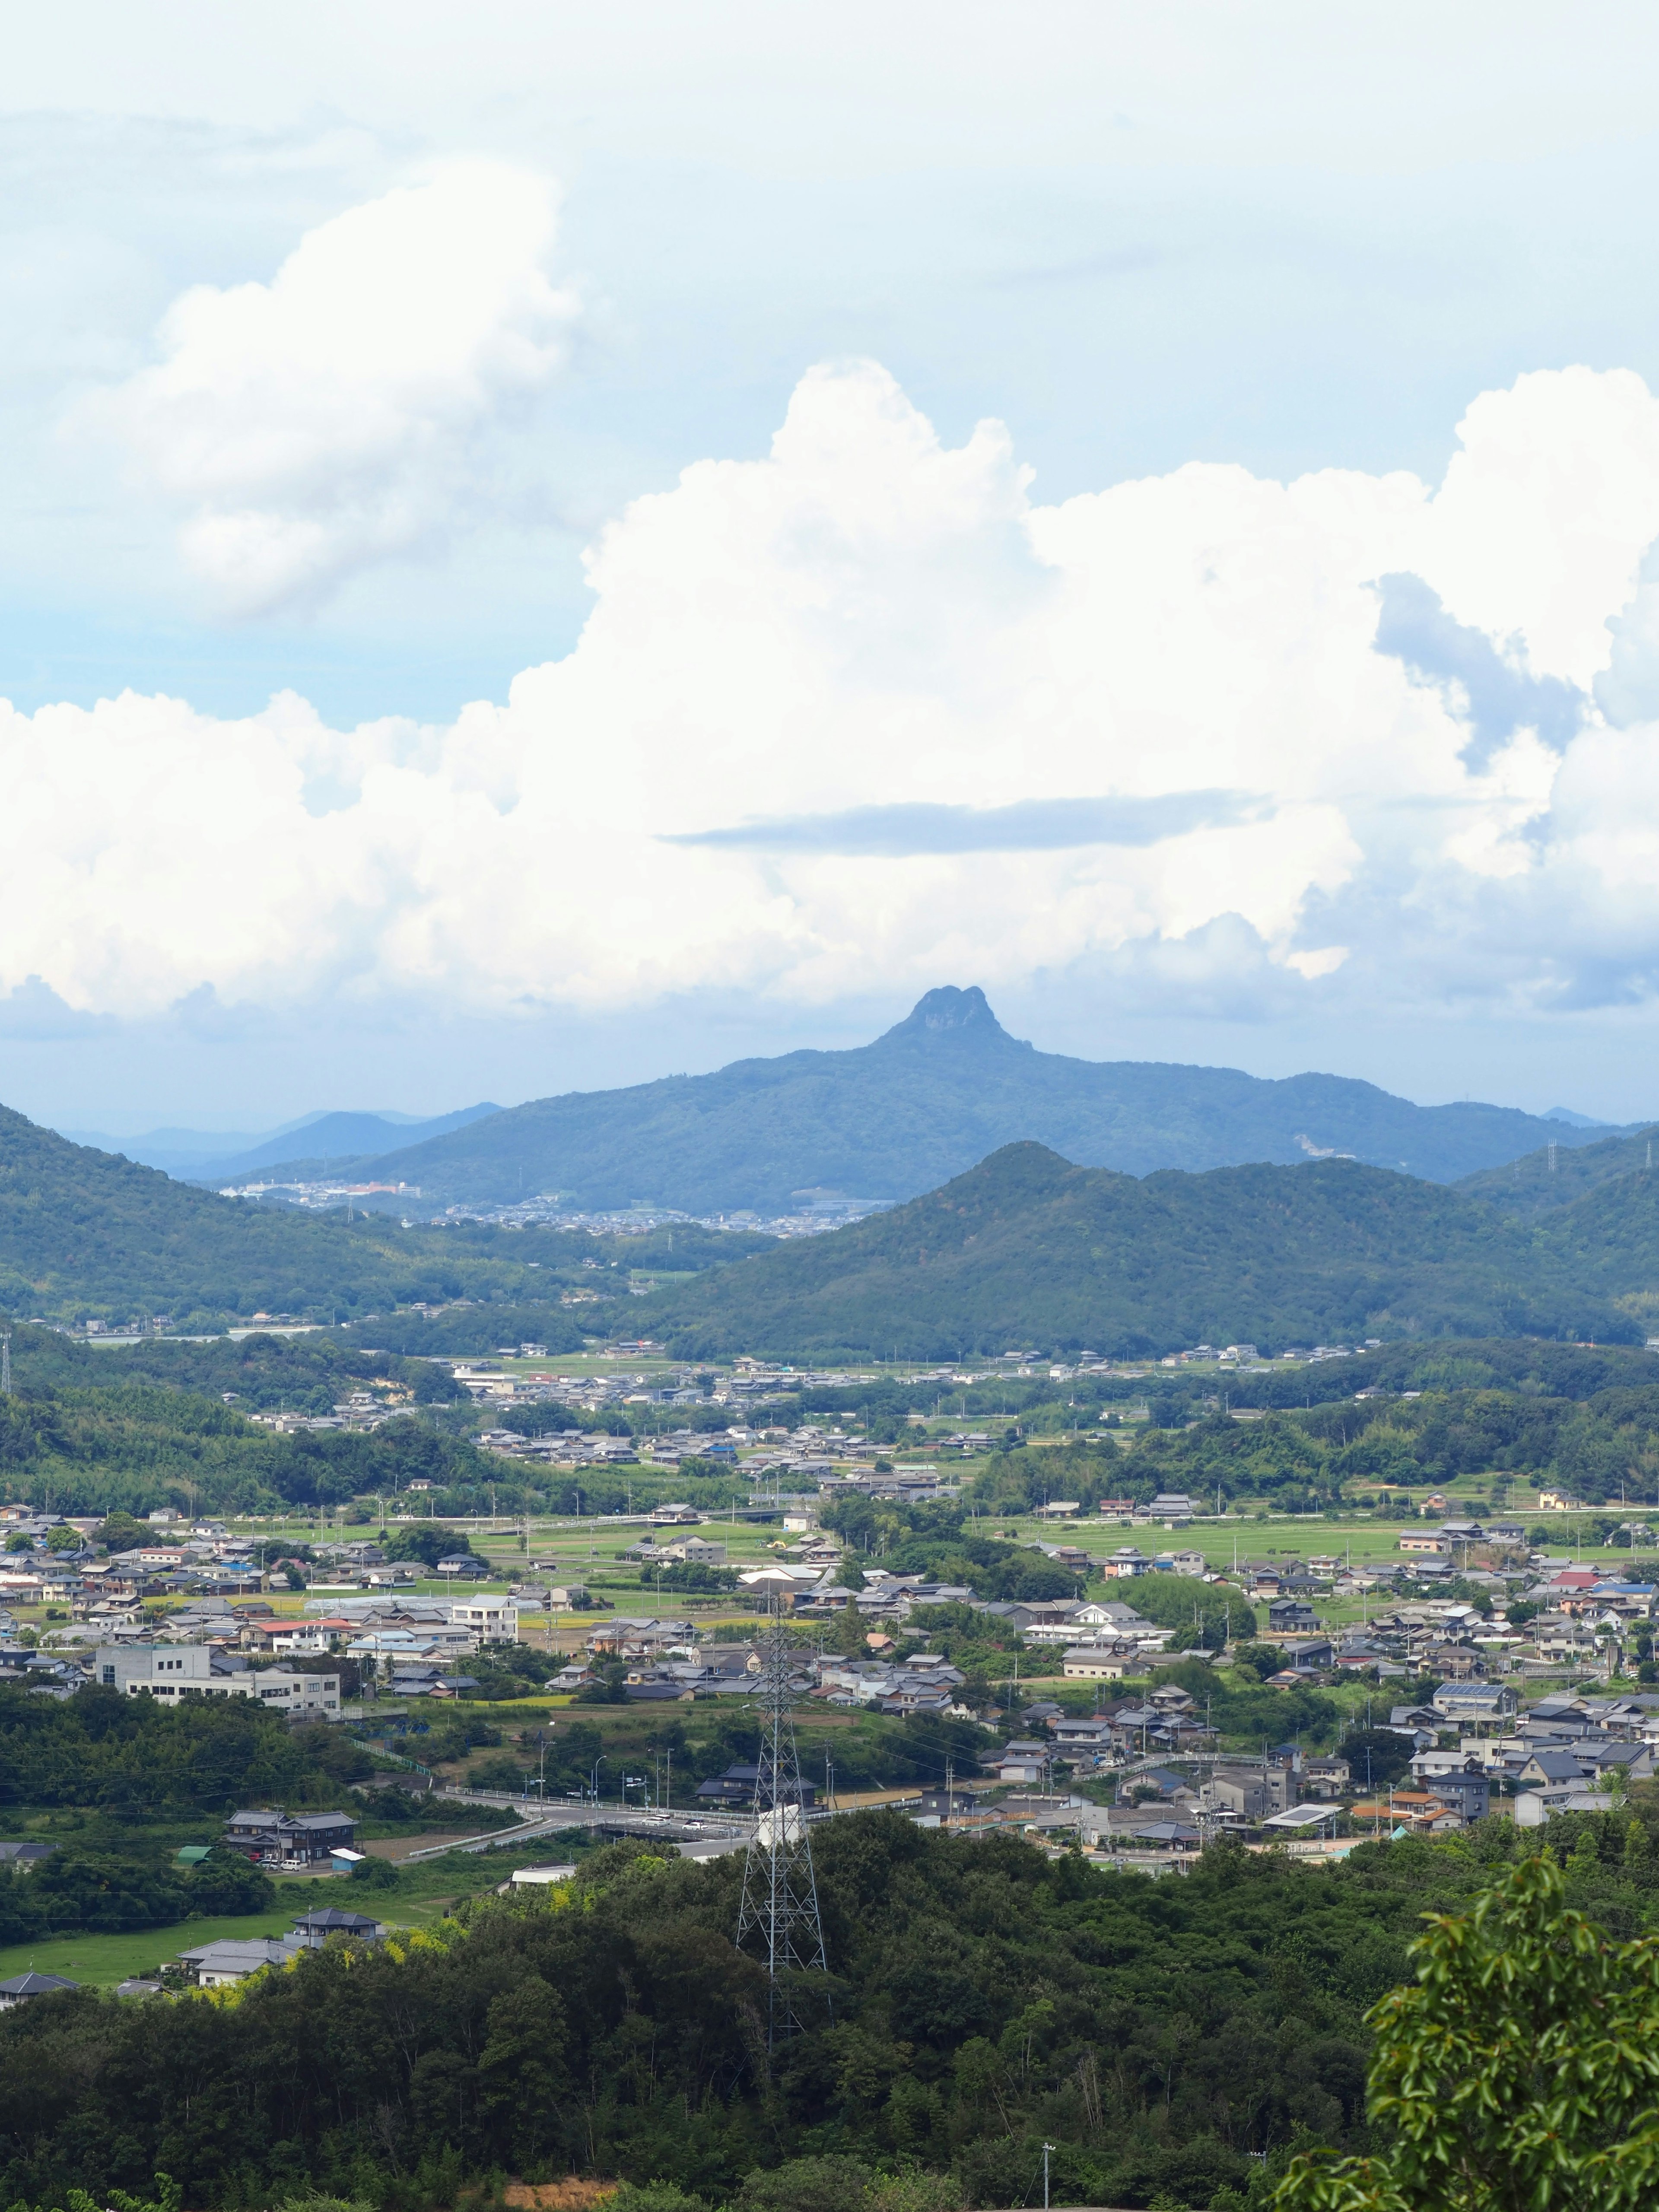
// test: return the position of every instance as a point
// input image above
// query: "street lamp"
(593, 1778)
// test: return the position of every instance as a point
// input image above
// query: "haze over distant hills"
(944, 1088)
(198, 1155)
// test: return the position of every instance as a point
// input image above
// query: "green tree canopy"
(1520, 2072)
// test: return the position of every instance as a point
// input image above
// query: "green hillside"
(1534, 1184)
(1027, 1248)
(941, 1090)
(85, 1234)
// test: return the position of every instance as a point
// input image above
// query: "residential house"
(290, 1841)
(22, 1987)
(1290, 1616)
(1548, 1769)
(1022, 1762)
(1468, 1704)
(232, 1959)
(954, 1804)
(1534, 1807)
(1082, 1737)
(23, 1857)
(1124, 1562)
(313, 1928)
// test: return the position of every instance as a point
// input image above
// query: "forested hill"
(941, 1090)
(1540, 1181)
(85, 1233)
(1028, 1248)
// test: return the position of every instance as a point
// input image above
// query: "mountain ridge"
(1028, 1247)
(939, 1090)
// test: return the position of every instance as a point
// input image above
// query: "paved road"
(696, 1839)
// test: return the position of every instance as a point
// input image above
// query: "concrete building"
(1249, 1793)
(492, 1619)
(194, 1670)
(1085, 1663)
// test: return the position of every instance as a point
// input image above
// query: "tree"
(428, 1545)
(1376, 1758)
(1520, 2074)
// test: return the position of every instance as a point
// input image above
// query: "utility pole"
(779, 1915)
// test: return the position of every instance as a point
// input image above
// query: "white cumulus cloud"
(342, 414)
(833, 707)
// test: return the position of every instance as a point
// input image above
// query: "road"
(696, 1837)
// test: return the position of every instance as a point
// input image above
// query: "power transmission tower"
(5, 1363)
(779, 1918)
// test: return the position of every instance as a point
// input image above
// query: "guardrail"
(397, 1759)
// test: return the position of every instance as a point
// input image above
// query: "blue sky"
(1280, 241)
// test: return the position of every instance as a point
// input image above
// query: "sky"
(542, 547)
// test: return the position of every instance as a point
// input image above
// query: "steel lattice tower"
(778, 1915)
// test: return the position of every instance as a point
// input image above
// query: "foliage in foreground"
(1520, 2072)
(1177, 2042)
(985, 1997)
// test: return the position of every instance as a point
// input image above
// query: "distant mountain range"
(321, 1141)
(1028, 1250)
(902, 1115)
(1023, 1248)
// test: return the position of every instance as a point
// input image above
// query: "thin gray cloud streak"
(1030, 825)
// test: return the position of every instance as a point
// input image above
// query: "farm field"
(104, 1960)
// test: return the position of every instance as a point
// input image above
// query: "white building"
(187, 1670)
(492, 1619)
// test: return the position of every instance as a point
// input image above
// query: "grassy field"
(106, 1959)
(424, 1893)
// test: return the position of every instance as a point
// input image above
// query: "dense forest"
(1026, 1248)
(134, 1445)
(982, 1998)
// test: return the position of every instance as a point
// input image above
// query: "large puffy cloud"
(1350, 738)
(342, 414)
